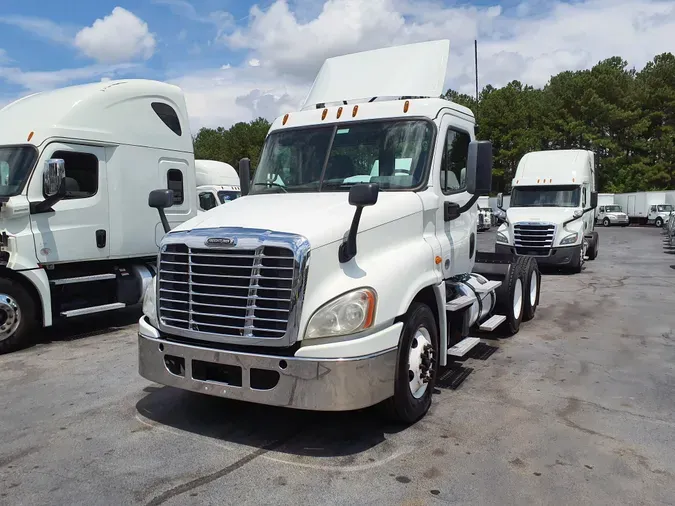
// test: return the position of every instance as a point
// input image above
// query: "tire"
(606, 222)
(510, 299)
(593, 246)
(17, 316)
(658, 222)
(577, 264)
(404, 406)
(531, 288)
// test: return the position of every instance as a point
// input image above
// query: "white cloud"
(118, 37)
(4, 58)
(221, 20)
(227, 66)
(254, 62)
(40, 27)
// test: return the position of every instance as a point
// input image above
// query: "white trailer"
(76, 234)
(300, 294)
(645, 207)
(217, 183)
(551, 216)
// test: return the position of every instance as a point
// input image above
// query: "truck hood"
(616, 214)
(321, 218)
(545, 214)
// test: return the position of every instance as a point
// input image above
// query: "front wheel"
(606, 222)
(417, 366)
(532, 286)
(17, 316)
(593, 246)
(658, 222)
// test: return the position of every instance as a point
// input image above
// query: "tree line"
(627, 118)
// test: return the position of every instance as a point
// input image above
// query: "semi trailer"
(325, 286)
(551, 212)
(76, 234)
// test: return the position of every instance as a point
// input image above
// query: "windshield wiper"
(271, 184)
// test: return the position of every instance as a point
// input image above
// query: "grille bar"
(533, 238)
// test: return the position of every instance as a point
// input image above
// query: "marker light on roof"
(537, 180)
(406, 105)
(323, 114)
(339, 113)
(354, 111)
(30, 136)
(285, 119)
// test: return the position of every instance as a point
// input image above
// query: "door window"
(81, 174)
(207, 200)
(453, 161)
(174, 179)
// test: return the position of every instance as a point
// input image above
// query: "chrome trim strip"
(246, 239)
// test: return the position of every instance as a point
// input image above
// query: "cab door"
(457, 237)
(78, 227)
(652, 213)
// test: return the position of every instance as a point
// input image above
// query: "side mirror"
(594, 200)
(479, 168)
(54, 177)
(160, 200)
(360, 196)
(245, 176)
(500, 201)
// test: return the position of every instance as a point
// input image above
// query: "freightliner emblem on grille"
(221, 242)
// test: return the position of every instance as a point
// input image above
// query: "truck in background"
(76, 234)
(485, 217)
(608, 213)
(645, 207)
(551, 212)
(316, 291)
(217, 183)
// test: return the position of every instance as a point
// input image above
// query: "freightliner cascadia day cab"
(77, 235)
(551, 211)
(328, 287)
(217, 183)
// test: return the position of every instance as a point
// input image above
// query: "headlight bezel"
(570, 239)
(149, 302)
(501, 238)
(335, 305)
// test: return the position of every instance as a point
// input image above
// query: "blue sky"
(237, 59)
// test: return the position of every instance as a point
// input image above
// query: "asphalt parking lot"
(579, 407)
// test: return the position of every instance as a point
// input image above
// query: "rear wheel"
(17, 316)
(510, 300)
(532, 288)
(417, 366)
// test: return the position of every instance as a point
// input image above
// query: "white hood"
(321, 218)
(544, 214)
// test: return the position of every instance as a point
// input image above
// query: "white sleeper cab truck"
(317, 292)
(217, 183)
(76, 233)
(551, 211)
(484, 213)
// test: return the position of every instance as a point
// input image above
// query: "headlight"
(349, 313)
(502, 238)
(570, 239)
(149, 303)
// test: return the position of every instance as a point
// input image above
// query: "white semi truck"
(76, 233)
(551, 211)
(315, 291)
(217, 183)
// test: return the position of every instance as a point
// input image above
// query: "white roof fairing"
(416, 70)
(111, 112)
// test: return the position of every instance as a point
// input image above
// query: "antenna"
(475, 58)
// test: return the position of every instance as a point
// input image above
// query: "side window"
(207, 200)
(652, 209)
(168, 116)
(81, 174)
(602, 209)
(453, 162)
(174, 181)
(583, 198)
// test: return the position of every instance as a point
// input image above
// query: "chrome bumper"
(302, 383)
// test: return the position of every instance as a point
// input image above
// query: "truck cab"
(76, 164)
(659, 214)
(551, 211)
(328, 286)
(611, 214)
(217, 184)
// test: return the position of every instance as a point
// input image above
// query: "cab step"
(93, 309)
(492, 323)
(464, 346)
(487, 287)
(453, 377)
(460, 303)
(83, 279)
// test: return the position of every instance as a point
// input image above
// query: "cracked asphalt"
(577, 408)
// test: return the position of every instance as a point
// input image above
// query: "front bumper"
(303, 383)
(557, 256)
(614, 220)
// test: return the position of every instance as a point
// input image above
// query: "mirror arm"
(45, 206)
(469, 204)
(565, 223)
(347, 249)
(164, 220)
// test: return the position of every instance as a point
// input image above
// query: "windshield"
(16, 163)
(548, 196)
(392, 153)
(612, 209)
(665, 209)
(226, 196)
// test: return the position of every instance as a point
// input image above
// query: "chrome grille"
(533, 238)
(237, 293)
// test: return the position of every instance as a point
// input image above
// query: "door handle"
(100, 238)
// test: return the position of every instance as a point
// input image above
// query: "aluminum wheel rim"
(10, 316)
(533, 288)
(517, 299)
(420, 362)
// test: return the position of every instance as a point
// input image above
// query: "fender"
(37, 283)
